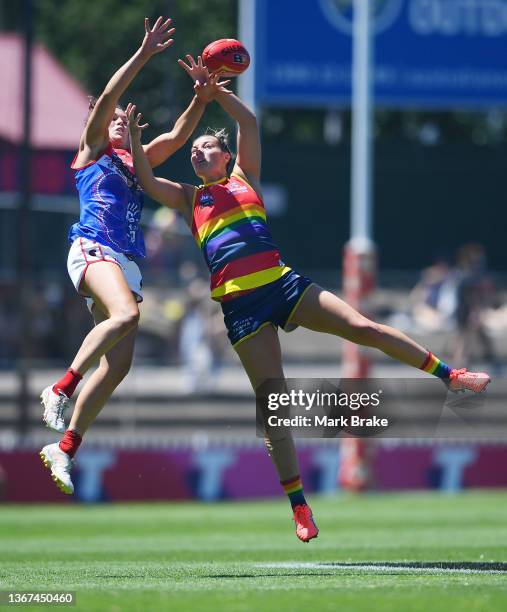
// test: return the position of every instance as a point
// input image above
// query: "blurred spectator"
(462, 299)
(9, 325)
(52, 307)
(201, 339)
(434, 299)
(169, 247)
(476, 294)
(161, 313)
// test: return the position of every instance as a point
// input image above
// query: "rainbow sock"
(434, 366)
(294, 489)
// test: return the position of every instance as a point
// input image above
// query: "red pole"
(359, 275)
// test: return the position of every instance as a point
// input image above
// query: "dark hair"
(222, 136)
(92, 101)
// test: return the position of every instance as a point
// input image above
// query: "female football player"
(257, 290)
(104, 245)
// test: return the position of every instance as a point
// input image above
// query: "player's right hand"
(158, 38)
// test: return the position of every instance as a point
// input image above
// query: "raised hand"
(197, 71)
(158, 38)
(133, 122)
(207, 91)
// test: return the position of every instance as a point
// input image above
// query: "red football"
(226, 56)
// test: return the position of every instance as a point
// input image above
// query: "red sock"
(68, 383)
(70, 442)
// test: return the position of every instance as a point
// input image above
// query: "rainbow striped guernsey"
(229, 225)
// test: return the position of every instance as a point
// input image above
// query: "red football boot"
(306, 529)
(459, 380)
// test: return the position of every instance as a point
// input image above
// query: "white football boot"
(60, 465)
(54, 409)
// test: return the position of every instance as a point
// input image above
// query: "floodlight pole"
(23, 229)
(361, 211)
(359, 253)
(246, 33)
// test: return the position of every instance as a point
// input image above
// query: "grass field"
(391, 552)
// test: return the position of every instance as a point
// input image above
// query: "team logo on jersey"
(340, 14)
(123, 169)
(206, 199)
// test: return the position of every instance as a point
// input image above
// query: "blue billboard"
(428, 53)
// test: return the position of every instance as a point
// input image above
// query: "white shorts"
(85, 252)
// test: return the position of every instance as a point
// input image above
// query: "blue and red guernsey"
(111, 202)
(229, 225)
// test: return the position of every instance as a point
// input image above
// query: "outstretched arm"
(206, 87)
(156, 39)
(248, 159)
(166, 192)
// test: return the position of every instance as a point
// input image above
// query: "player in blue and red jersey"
(257, 290)
(104, 245)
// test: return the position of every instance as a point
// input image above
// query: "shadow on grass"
(269, 575)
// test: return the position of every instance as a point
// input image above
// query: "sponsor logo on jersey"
(237, 188)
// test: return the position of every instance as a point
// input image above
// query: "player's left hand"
(133, 122)
(205, 92)
(158, 37)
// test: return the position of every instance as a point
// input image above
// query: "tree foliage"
(92, 39)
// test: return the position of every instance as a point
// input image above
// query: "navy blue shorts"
(272, 304)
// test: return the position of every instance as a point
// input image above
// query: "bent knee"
(127, 320)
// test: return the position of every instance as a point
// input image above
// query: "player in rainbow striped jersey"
(104, 245)
(258, 292)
